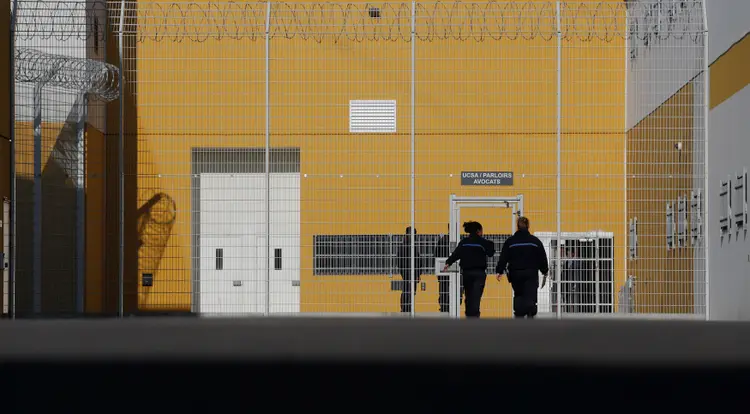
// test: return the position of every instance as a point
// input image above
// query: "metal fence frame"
(268, 35)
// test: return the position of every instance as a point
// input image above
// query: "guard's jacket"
(523, 251)
(404, 261)
(442, 249)
(472, 253)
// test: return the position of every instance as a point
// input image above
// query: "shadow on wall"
(59, 256)
(155, 221)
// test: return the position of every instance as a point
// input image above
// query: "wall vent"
(372, 117)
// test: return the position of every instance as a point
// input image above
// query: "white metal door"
(229, 275)
(284, 249)
(233, 214)
(456, 204)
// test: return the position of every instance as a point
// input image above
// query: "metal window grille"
(740, 200)
(670, 231)
(633, 238)
(725, 209)
(696, 217)
(682, 221)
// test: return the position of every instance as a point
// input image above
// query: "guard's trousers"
(525, 285)
(474, 281)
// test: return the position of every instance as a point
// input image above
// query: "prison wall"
(96, 207)
(84, 38)
(665, 154)
(726, 261)
(487, 105)
(729, 51)
(658, 175)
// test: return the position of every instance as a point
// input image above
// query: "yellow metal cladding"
(185, 89)
(730, 73)
(661, 174)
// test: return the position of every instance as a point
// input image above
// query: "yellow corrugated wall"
(665, 279)
(181, 104)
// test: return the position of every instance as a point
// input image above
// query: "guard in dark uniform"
(472, 253)
(524, 256)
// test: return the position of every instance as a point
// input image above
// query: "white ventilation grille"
(372, 117)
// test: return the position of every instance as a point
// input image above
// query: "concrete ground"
(370, 364)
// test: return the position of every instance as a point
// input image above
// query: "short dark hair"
(472, 227)
(408, 230)
(522, 223)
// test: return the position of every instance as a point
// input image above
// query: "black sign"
(487, 178)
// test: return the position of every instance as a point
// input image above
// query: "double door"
(244, 269)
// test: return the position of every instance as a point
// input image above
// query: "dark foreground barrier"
(367, 365)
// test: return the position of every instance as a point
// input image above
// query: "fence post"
(37, 227)
(558, 269)
(267, 310)
(626, 219)
(413, 277)
(80, 203)
(121, 171)
(706, 103)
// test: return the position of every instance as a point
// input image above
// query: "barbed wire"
(178, 21)
(78, 74)
(664, 19)
(61, 20)
(646, 20)
(527, 20)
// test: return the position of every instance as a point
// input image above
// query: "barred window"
(682, 222)
(739, 207)
(725, 209)
(633, 238)
(373, 254)
(670, 219)
(696, 217)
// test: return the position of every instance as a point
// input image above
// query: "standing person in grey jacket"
(472, 253)
(410, 280)
(443, 250)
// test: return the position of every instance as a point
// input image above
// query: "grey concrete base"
(440, 315)
(426, 339)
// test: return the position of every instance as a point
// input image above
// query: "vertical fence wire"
(558, 208)
(707, 227)
(121, 166)
(624, 295)
(268, 160)
(412, 172)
